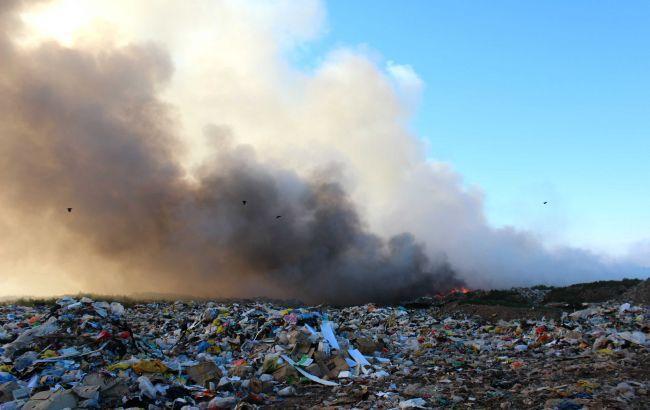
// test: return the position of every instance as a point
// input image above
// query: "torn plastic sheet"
(308, 375)
(324, 347)
(328, 334)
(360, 362)
(33, 382)
(634, 337)
(77, 354)
(305, 361)
(358, 357)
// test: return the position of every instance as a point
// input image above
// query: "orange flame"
(462, 289)
(453, 291)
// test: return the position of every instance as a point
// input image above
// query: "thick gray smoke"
(88, 131)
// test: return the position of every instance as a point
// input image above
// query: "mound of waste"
(82, 353)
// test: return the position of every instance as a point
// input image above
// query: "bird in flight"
(278, 217)
(69, 209)
(545, 202)
(243, 202)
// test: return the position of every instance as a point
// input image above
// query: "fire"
(453, 291)
(462, 289)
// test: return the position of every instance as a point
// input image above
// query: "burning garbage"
(188, 354)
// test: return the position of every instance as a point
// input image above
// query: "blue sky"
(531, 101)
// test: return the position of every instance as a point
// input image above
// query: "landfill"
(85, 353)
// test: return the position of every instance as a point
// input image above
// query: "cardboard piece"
(51, 400)
(204, 372)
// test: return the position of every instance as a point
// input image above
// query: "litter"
(328, 334)
(309, 375)
(436, 353)
(358, 357)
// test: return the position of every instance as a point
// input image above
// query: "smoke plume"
(155, 126)
(88, 131)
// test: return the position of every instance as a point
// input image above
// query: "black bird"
(545, 202)
(278, 217)
(69, 209)
(243, 202)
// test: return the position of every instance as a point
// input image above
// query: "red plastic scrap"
(124, 335)
(103, 335)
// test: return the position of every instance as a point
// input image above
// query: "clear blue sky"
(531, 101)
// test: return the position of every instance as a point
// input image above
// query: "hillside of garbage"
(579, 347)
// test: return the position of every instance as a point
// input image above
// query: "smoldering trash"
(428, 353)
(135, 165)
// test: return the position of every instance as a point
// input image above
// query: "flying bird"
(243, 202)
(69, 209)
(278, 217)
(545, 202)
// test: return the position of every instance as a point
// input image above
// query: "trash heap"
(188, 355)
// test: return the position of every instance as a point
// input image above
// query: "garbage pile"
(81, 353)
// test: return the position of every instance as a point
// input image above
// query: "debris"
(287, 391)
(6, 391)
(358, 357)
(222, 402)
(150, 366)
(204, 372)
(633, 337)
(328, 334)
(432, 354)
(413, 404)
(309, 375)
(51, 400)
(146, 387)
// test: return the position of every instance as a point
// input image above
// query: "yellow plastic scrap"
(48, 354)
(214, 349)
(118, 366)
(149, 366)
(605, 352)
(6, 368)
(285, 312)
(587, 385)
